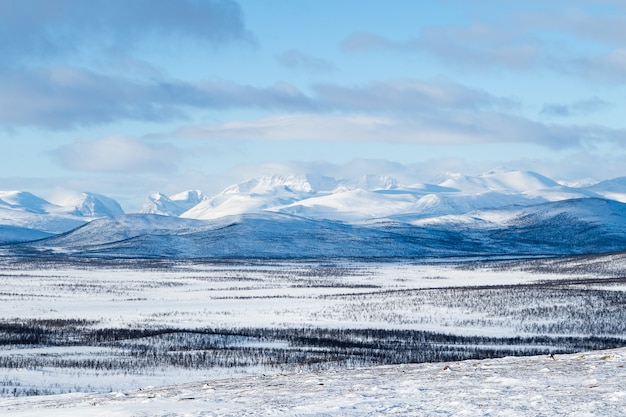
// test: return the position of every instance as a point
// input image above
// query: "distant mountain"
(578, 226)
(245, 236)
(24, 216)
(614, 189)
(90, 205)
(24, 201)
(374, 196)
(503, 213)
(175, 205)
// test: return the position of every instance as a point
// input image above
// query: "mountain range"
(497, 213)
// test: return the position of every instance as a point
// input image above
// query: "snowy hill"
(249, 235)
(576, 226)
(614, 189)
(566, 227)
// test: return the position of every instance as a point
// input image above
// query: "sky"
(125, 98)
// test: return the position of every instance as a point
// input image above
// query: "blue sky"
(123, 98)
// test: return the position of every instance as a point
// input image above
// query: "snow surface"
(586, 384)
(288, 294)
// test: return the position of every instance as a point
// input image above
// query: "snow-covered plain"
(580, 298)
(584, 384)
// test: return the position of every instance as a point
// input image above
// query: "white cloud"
(118, 154)
(436, 128)
(573, 38)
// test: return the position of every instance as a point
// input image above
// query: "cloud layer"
(34, 30)
(118, 154)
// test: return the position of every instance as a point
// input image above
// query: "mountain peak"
(503, 181)
(296, 183)
(24, 201)
(91, 205)
(159, 203)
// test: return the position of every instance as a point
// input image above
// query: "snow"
(325, 294)
(518, 181)
(585, 384)
(38, 218)
(175, 205)
(90, 205)
(25, 201)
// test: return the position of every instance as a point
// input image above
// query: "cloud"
(579, 38)
(65, 97)
(296, 59)
(118, 154)
(476, 46)
(600, 21)
(62, 97)
(67, 27)
(436, 128)
(582, 107)
(609, 67)
(47, 47)
(353, 169)
(407, 96)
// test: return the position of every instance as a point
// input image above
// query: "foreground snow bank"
(587, 384)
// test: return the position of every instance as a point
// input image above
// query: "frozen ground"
(76, 331)
(588, 384)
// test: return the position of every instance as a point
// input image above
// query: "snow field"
(549, 298)
(588, 384)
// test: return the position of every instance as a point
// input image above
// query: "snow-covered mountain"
(310, 216)
(614, 189)
(577, 226)
(24, 201)
(175, 205)
(90, 205)
(25, 216)
(373, 196)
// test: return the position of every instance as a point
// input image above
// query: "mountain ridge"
(311, 216)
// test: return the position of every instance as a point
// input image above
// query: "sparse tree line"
(139, 350)
(574, 307)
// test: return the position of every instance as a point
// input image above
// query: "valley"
(103, 325)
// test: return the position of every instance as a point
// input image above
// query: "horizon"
(124, 100)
